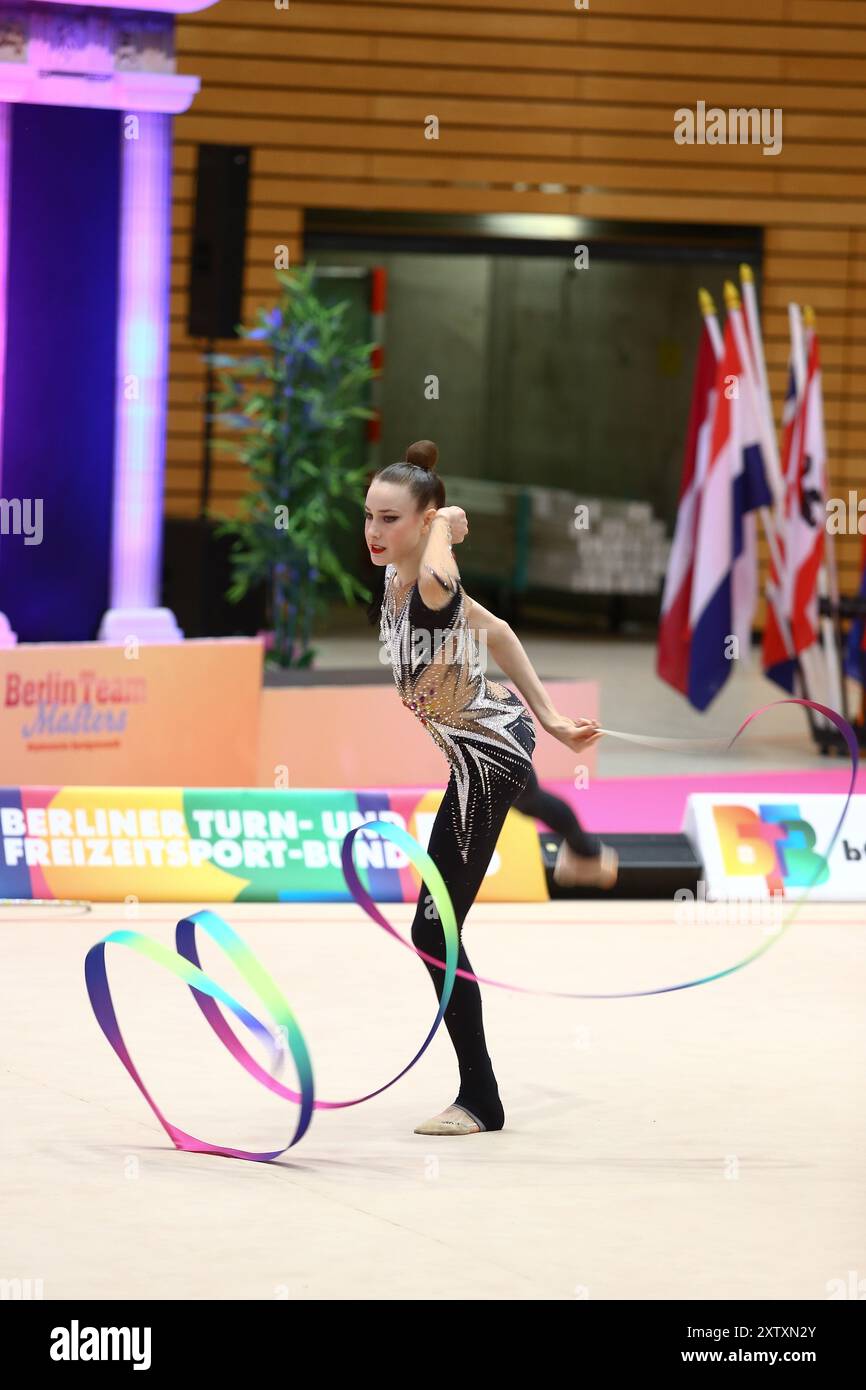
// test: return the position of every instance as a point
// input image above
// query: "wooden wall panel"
(333, 98)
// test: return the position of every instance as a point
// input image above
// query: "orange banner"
(96, 714)
(361, 736)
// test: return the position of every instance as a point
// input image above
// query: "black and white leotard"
(482, 727)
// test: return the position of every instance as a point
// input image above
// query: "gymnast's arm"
(510, 656)
(438, 576)
(508, 652)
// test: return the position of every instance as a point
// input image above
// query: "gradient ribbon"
(208, 994)
(186, 966)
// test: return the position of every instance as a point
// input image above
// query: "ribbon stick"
(209, 995)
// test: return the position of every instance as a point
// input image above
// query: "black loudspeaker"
(196, 567)
(217, 251)
(650, 866)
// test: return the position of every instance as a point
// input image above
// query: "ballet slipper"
(579, 871)
(454, 1120)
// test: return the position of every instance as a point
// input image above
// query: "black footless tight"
(535, 801)
(479, 1093)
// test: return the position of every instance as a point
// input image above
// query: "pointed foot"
(454, 1120)
(577, 871)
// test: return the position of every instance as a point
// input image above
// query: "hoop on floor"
(75, 907)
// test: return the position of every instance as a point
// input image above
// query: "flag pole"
(732, 303)
(673, 657)
(800, 368)
(749, 521)
(830, 626)
(765, 406)
(708, 309)
(811, 324)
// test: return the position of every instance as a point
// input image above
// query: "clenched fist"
(456, 518)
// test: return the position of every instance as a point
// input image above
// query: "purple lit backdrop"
(60, 392)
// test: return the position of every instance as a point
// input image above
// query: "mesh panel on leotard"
(482, 727)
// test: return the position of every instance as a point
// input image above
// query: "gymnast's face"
(394, 528)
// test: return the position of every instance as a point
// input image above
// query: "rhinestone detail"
(472, 720)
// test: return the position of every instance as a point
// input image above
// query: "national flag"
(674, 640)
(724, 580)
(855, 647)
(778, 662)
(794, 594)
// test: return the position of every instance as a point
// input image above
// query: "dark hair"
(417, 472)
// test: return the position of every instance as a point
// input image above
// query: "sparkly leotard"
(488, 737)
(482, 727)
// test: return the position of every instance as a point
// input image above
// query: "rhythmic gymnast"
(426, 622)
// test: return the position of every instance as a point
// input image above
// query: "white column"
(141, 382)
(7, 636)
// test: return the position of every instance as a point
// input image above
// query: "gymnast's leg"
(479, 1093)
(543, 805)
(583, 859)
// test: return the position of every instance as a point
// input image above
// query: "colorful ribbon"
(208, 994)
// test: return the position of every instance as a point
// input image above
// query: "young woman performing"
(484, 730)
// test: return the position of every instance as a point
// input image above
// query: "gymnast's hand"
(576, 735)
(456, 518)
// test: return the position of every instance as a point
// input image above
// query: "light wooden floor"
(706, 1143)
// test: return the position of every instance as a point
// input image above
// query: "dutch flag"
(674, 640)
(724, 581)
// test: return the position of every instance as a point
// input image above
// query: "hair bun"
(423, 454)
